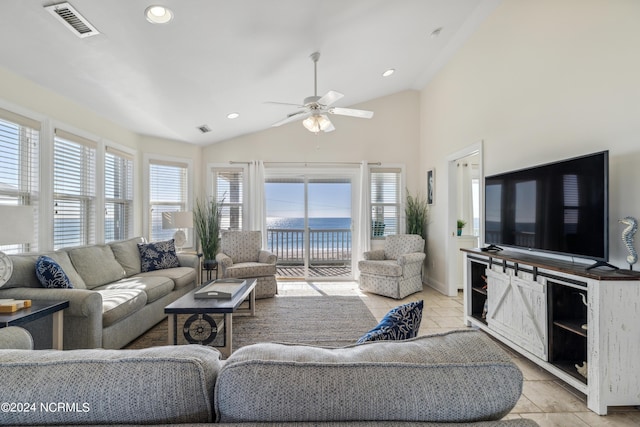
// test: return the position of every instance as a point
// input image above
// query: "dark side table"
(38, 310)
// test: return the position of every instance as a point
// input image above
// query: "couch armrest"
(411, 258)
(267, 257)
(16, 338)
(82, 319)
(189, 260)
(224, 261)
(375, 255)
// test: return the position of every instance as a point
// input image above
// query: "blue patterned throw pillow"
(158, 255)
(50, 274)
(400, 323)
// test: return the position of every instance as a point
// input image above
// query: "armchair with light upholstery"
(241, 257)
(396, 270)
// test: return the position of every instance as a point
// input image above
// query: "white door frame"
(451, 246)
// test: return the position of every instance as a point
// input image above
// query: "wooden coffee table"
(201, 328)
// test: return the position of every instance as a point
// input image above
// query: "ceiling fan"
(314, 108)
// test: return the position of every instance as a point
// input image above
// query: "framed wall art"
(431, 186)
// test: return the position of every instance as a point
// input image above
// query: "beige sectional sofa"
(112, 302)
(457, 379)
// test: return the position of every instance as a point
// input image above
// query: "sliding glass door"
(309, 224)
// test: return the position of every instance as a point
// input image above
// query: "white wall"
(391, 136)
(540, 81)
(25, 97)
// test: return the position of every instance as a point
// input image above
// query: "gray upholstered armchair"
(241, 257)
(396, 270)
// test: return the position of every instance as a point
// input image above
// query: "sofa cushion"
(50, 274)
(389, 268)
(181, 276)
(401, 323)
(158, 255)
(120, 303)
(250, 269)
(128, 255)
(460, 376)
(154, 287)
(24, 270)
(157, 386)
(96, 265)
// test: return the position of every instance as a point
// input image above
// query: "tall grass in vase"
(417, 215)
(206, 219)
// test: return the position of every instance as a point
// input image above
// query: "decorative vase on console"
(460, 225)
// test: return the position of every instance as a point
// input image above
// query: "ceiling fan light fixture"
(317, 123)
(158, 14)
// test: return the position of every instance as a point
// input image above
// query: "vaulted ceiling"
(216, 57)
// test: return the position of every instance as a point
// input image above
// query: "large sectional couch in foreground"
(458, 379)
(111, 301)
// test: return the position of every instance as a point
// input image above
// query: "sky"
(326, 200)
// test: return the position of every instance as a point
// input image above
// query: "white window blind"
(118, 186)
(74, 195)
(19, 148)
(229, 187)
(167, 193)
(385, 201)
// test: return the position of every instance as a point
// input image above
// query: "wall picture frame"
(431, 186)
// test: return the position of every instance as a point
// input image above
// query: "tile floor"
(545, 399)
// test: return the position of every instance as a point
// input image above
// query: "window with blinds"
(385, 201)
(19, 151)
(168, 189)
(74, 193)
(118, 195)
(229, 187)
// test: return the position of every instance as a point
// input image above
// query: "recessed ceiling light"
(158, 14)
(388, 72)
(435, 33)
(233, 115)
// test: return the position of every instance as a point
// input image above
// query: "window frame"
(187, 204)
(87, 198)
(28, 174)
(127, 202)
(399, 204)
(213, 171)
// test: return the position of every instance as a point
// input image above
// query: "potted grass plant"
(460, 225)
(206, 219)
(417, 215)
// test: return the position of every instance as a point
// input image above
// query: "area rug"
(333, 321)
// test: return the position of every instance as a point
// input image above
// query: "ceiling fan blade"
(298, 115)
(284, 103)
(329, 98)
(364, 114)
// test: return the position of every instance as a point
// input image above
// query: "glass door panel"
(309, 226)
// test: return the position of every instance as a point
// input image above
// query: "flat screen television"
(560, 207)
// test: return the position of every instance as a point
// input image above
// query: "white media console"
(560, 315)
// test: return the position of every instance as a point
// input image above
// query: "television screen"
(560, 207)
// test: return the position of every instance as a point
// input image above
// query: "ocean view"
(314, 223)
(329, 238)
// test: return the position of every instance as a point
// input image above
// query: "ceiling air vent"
(70, 17)
(204, 128)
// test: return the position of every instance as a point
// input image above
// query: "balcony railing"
(326, 246)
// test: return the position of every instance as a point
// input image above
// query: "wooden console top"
(568, 267)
